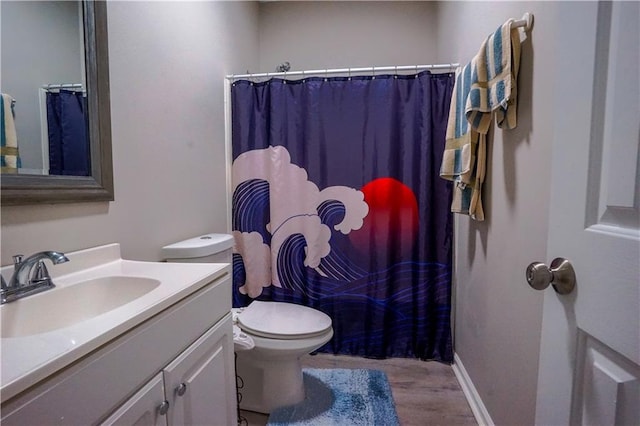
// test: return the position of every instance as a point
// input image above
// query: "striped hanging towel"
(494, 79)
(9, 157)
(459, 162)
(486, 85)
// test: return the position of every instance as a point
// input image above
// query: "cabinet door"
(143, 408)
(200, 383)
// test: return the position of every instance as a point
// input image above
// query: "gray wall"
(333, 34)
(40, 45)
(167, 63)
(498, 317)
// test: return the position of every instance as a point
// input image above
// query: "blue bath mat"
(341, 397)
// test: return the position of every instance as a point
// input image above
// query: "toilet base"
(269, 383)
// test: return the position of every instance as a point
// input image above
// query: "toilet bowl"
(281, 333)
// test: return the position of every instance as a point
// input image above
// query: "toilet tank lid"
(204, 245)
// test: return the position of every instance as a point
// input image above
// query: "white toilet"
(281, 333)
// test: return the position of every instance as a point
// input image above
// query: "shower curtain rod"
(526, 22)
(346, 71)
(63, 85)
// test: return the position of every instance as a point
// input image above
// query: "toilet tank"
(210, 248)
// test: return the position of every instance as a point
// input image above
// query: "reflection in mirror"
(56, 135)
(43, 89)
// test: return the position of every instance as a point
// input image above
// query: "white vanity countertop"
(29, 359)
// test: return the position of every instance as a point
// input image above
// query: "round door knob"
(181, 389)
(163, 408)
(560, 274)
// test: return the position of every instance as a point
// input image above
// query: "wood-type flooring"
(425, 393)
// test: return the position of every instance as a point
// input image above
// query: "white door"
(590, 350)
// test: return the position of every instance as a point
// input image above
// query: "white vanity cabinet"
(182, 358)
(191, 390)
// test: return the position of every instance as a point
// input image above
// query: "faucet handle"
(17, 259)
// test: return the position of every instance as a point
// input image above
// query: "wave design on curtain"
(337, 205)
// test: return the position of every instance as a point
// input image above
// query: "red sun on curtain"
(392, 222)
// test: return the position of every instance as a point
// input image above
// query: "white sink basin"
(65, 306)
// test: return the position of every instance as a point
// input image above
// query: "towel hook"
(526, 22)
(528, 17)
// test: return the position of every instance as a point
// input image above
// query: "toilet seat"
(280, 320)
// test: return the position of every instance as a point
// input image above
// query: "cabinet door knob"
(163, 408)
(181, 389)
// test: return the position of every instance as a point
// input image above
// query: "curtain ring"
(326, 74)
(303, 77)
(396, 73)
(349, 73)
(373, 73)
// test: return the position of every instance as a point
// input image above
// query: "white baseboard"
(477, 406)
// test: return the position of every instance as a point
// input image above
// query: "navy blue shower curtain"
(337, 205)
(68, 142)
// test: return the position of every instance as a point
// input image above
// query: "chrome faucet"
(30, 276)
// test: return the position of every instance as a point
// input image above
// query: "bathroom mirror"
(97, 185)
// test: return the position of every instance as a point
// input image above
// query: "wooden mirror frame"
(49, 189)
